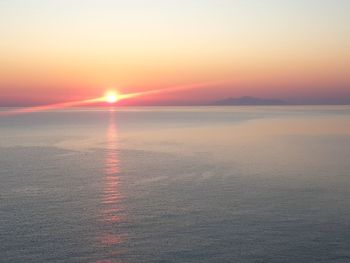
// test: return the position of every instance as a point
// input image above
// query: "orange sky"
(53, 51)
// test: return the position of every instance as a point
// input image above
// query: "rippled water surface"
(200, 184)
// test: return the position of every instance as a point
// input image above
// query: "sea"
(239, 184)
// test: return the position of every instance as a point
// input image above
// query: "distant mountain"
(246, 100)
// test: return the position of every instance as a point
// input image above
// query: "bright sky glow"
(53, 51)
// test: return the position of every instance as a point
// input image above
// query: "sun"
(111, 96)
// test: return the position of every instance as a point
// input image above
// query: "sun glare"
(111, 97)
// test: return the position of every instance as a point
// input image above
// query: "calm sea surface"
(182, 184)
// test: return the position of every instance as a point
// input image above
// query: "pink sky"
(58, 51)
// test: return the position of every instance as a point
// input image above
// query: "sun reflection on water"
(111, 212)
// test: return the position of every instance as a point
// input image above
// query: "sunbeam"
(51, 106)
(111, 96)
(169, 89)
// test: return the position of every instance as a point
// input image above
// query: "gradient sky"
(62, 50)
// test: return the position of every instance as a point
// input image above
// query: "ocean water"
(176, 184)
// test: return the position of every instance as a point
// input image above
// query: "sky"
(60, 50)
